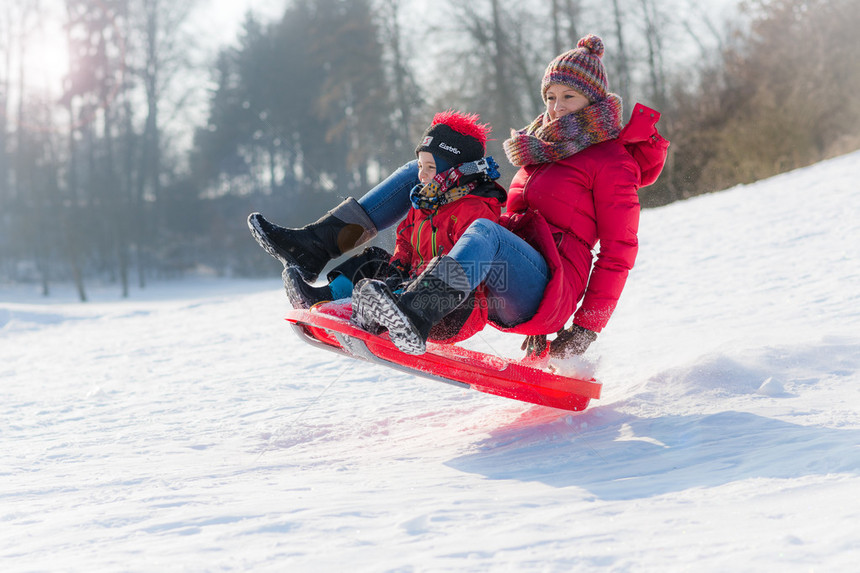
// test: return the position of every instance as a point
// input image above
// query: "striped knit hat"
(581, 69)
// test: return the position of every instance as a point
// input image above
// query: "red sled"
(328, 326)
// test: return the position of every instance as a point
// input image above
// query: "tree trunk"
(655, 59)
(623, 59)
(506, 106)
(400, 70)
(5, 191)
(555, 17)
(573, 10)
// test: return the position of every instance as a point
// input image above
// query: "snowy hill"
(189, 429)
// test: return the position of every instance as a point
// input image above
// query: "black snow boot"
(437, 291)
(311, 247)
(302, 294)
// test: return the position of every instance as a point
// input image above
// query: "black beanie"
(455, 138)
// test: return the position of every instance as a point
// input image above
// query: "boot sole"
(377, 306)
(263, 240)
(294, 293)
(359, 318)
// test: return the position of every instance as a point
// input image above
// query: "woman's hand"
(571, 341)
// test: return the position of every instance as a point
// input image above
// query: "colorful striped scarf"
(545, 141)
(454, 184)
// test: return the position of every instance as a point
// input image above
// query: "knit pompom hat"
(581, 69)
(454, 138)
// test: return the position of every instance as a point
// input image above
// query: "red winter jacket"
(565, 208)
(425, 234)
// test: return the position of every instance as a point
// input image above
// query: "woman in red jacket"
(576, 188)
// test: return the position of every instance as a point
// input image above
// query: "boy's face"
(562, 100)
(426, 167)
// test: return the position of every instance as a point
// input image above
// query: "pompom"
(593, 44)
(464, 123)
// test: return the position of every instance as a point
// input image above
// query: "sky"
(220, 20)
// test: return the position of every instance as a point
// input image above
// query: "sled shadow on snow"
(622, 456)
(617, 456)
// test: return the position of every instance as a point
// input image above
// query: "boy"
(456, 187)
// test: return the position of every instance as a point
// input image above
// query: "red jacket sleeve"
(616, 207)
(403, 249)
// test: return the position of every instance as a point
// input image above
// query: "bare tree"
(564, 15)
(5, 78)
(83, 96)
(507, 103)
(407, 95)
(555, 18)
(498, 68)
(654, 22)
(24, 28)
(573, 9)
(163, 57)
(695, 14)
(622, 56)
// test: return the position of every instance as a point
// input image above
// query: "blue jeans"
(388, 202)
(514, 273)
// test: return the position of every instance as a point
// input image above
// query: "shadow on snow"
(617, 456)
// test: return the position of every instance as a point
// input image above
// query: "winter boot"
(302, 294)
(360, 317)
(312, 246)
(437, 291)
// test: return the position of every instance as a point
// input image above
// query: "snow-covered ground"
(188, 429)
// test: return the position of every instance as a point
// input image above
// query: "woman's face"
(562, 100)
(426, 167)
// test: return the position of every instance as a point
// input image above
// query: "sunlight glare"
(47, 58)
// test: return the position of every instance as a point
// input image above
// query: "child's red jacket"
(425, 234)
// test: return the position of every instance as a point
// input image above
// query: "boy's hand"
(534, 345)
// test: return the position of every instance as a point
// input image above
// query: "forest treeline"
(98, 184)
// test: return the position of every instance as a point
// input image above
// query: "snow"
(188, 429)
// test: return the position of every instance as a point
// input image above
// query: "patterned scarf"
(453, 184)
(545, 141)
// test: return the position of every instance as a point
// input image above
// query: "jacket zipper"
(434, 246)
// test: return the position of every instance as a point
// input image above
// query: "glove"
(396, 284)
(534, 345)
(395, 275)
(571, 341)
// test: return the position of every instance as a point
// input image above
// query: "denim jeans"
(388, 202)
(513, 272)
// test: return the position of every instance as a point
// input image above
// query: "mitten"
(571, 341)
